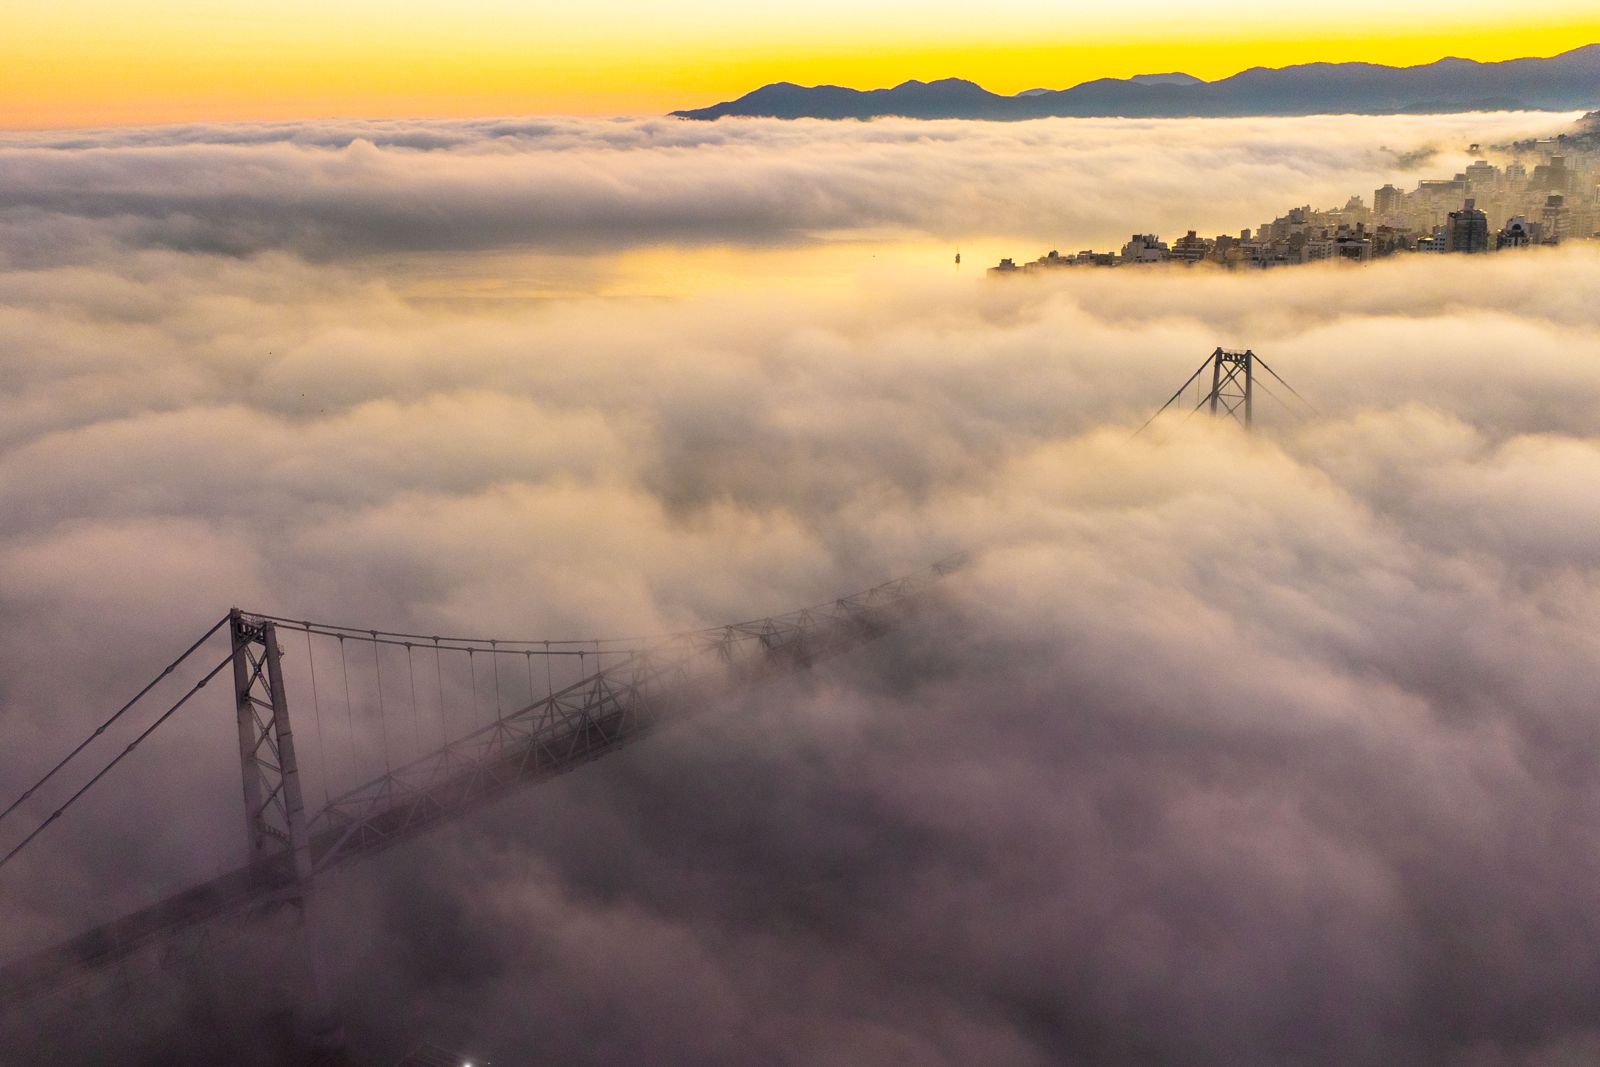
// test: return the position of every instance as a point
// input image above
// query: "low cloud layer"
(1271, 748)
(337, 190)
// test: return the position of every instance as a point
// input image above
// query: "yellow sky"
(111, 62)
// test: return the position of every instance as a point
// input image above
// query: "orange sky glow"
(106, 62)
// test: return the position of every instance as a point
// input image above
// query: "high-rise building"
(1352, 244)
(1553, 218)
(1388, 201)
(1190, 248)
(1467, 230)
(1481, 175)
(1443, 187)
(1518, 232)
(1145, 248)
(1553, 177)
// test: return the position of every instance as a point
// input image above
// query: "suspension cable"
(396, 637)
(119, 713)
(1172, 398)
(460, 643)
(1299, 416)
(1287, 386)
(118, 758)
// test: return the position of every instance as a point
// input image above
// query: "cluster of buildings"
(1484, 208)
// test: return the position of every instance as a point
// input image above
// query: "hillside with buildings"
(1540, 193)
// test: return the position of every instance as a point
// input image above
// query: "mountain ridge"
(1569, 81)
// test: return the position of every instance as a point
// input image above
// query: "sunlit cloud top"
(106, 62)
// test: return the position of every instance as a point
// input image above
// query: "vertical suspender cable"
(349, 712)
(438, 674)
(494, 658)
(550, 686)
(383, 725)
(316, 710)
(416, 716)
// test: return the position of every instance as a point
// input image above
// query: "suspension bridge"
(448, 724)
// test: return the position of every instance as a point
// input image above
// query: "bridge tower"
(1233, 389)
(1233, 385)
(274, 806)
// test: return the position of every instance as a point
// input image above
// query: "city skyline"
(1540, 192)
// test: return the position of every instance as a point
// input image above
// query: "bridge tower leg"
(1233, 385)
(275, 819)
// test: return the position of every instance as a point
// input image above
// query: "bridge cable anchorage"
(118, 758)
(101, 729)
(316, 711)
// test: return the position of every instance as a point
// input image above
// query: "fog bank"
(1266, 748)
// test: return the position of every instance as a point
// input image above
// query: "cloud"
(336, 190)
(1231, 748)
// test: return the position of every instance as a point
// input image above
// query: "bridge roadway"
(662, 682)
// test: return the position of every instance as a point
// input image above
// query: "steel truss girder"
(658, 682)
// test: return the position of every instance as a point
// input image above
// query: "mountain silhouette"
(1569, 81)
